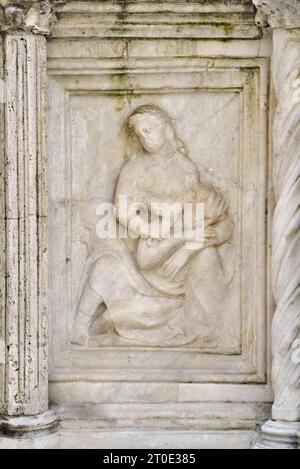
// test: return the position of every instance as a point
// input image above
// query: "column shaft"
(24, 295)
(286, 226)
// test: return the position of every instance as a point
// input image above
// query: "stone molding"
(157, 19)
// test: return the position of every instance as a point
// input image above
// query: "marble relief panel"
(145, 301)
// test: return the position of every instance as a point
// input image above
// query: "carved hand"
(182, 256)
(210, 237)
(176, 262)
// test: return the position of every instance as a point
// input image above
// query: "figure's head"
(153, 128)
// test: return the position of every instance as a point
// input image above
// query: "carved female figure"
(153, 290)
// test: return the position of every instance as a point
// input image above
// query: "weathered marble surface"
(155, 282)
(217, 95)
(208, 19)
(219, 88)
(207, 65)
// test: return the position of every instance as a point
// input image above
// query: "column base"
(28, 426)
(279, 435)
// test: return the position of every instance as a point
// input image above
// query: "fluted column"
(24, 303)
(284, 429)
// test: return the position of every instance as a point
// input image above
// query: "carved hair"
(134, 145)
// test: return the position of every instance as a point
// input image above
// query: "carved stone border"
(247, 77)
(24, 291)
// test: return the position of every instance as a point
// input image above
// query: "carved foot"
(80, 333)
(79, 338)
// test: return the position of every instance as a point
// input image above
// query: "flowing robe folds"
(143, 305)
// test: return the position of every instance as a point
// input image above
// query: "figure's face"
(151, 131)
